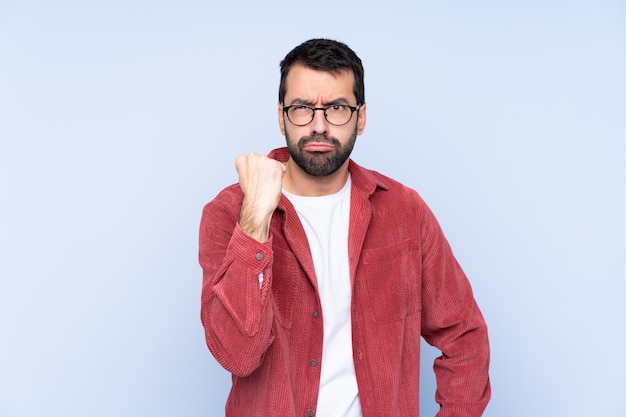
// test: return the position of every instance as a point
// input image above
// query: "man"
(320, 276)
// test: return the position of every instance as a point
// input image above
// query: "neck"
(298, 182)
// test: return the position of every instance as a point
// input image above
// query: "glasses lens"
(300, 115)
(338, 114)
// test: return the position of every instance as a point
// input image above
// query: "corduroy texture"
(406, 283)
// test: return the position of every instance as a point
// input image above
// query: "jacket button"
(313, 362)
(259, 256)
(310, 413)
(316, 314)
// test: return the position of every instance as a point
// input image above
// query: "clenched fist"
(260, 179)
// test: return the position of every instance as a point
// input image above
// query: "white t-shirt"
(325, 220)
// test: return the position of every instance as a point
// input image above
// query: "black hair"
(324, 55)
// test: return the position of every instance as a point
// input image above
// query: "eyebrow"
(338, 100)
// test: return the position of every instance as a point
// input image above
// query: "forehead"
(309, 84)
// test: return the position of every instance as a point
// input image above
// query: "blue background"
(120, 119)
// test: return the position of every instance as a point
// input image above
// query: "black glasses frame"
(314, 109)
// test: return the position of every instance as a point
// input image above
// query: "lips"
(318, 147)
(318, 143)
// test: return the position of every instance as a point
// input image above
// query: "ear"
(362, 118)
(281, 119)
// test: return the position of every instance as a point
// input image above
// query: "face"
(320, 148)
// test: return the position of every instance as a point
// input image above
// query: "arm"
(452, 322)
(234, 251)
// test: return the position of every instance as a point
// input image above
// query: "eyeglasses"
(335, 114)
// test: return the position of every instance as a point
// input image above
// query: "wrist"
(257, 228)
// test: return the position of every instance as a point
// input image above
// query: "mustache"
(305, 140)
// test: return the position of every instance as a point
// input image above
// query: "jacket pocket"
(392, 276)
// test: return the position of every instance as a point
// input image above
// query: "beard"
(320, 164)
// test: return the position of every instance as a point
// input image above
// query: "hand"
(261, 180)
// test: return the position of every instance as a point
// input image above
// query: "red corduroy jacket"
(406, 284)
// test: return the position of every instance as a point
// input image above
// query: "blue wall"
(119, 120)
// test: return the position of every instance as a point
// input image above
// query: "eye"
(337, 108)
(300, 109)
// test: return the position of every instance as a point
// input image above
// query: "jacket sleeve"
(235, 311)
(453, 323)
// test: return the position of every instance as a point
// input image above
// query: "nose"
(319, 125)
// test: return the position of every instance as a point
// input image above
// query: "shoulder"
(229, 194)
(382, 186)
(228, 201)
